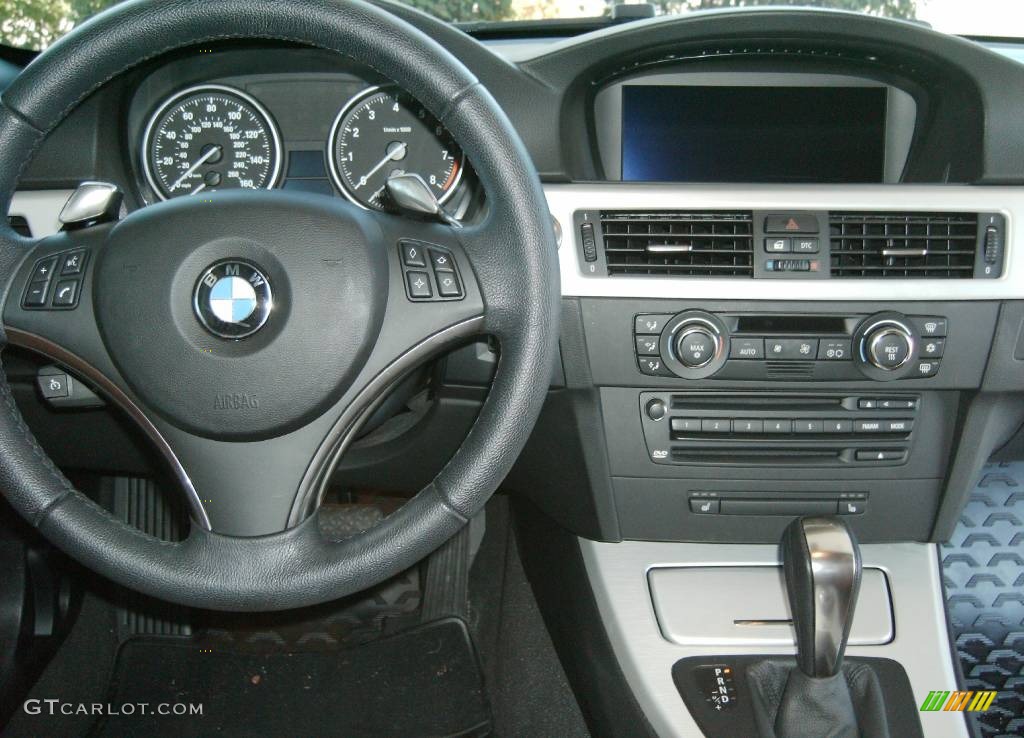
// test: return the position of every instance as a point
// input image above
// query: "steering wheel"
(253, 424)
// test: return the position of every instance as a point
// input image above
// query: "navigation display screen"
(753, 134)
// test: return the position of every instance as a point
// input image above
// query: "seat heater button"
(704, 507)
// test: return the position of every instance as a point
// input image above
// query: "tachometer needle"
(202, 160)
(393, 155)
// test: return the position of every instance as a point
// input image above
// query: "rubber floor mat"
(420, 682)
(983, 572)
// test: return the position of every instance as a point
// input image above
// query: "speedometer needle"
(202, 160)
(393, 155)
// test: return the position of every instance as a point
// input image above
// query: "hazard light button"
(791, 223)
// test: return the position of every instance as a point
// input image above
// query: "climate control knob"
(696, 346)
(889, 346)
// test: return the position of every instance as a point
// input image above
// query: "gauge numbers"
(210, 138)
(381, 132)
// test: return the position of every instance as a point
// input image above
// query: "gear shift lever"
(821, 560)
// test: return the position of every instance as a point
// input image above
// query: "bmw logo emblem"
(233, 299)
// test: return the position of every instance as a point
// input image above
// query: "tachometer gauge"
(210, 138)
(381, 132)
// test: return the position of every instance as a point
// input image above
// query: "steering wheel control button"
(233, 299)
(419, 285)
(650, 325)
(412, 254)
(746, 348)
(696, 347)
(646, 345)
(72, 263)
(65, 293)
(441, 261)
(448, 285)
(35, 296)
(44, 269)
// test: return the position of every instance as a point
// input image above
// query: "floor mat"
(983, 572)
(421, 682)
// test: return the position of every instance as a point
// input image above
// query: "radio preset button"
(838, 426)
(748, 426)
(685, 425)
(715, 425)
(778, 426)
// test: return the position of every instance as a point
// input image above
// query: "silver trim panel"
(41, 209)
(747, 606)
(565, 199)
(618, 574)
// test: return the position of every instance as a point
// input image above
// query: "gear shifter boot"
(789, 704)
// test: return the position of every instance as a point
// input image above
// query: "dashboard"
(789, 257)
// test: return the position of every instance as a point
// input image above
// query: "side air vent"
(678, 243)
(20, 225)
(902, 245)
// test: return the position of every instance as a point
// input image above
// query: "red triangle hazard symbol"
(792, 225)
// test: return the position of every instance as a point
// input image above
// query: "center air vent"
(901, 245)
(678, 243)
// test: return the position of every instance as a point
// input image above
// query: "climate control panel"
(696, 344)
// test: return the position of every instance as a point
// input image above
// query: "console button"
(653, 366)
(927, 368)
(778, 426)
(412, 254)
(869, 426)
(932, 348)
(808, 426)
(805, 245)
(53, 386)
(838, 426)
(898, 426)
(777, 245)
(851, 507)
(832, 350)
(647, 346)
(419, 284)
(748, 426)
(715, 425)
(931, 327)
(746, 348)
(880, 455)
(650, 324)
(802, 223)
(696, 347)
(867, 403)
(685, 425)
(656, 410)
(888, 348)
(791, 348)
(65, 293)
(704, 507)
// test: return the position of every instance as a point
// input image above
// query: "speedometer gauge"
(381, 132)
(210, 138)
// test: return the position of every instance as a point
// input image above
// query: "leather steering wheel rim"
(517, 276)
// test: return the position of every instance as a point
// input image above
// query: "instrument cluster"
(210, 137)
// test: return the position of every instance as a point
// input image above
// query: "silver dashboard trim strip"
(618, 574)
(565, 199)
(40, 208)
